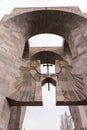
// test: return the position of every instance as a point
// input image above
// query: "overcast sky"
(6, 6)
(48, 116)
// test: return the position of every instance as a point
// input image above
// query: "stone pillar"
(4, 113)
(59, 93)
(79, 42)
(14, 122)
(79, 117)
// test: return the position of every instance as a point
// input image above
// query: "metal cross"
(48, 81)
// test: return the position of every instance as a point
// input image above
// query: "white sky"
(48, 116)
(6, 6)
(46, 40)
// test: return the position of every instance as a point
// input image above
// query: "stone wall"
(19, 26)
(10, 54)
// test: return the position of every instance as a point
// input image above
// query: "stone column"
(14, 122)
(79, 41)
(59, 93)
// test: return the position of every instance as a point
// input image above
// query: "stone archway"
(22, 24)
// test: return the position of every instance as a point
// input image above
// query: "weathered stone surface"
(14, 121)
(28, 87)
(4, 113)
(18, 11)
(85, 15)
(17, 28)
(79, 116)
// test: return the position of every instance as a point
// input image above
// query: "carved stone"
(15, 30)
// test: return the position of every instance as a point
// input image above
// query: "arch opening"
(46, 40)
(49, 114)
(46, 57)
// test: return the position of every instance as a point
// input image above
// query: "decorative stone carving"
(72, 85)
(25, 88)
